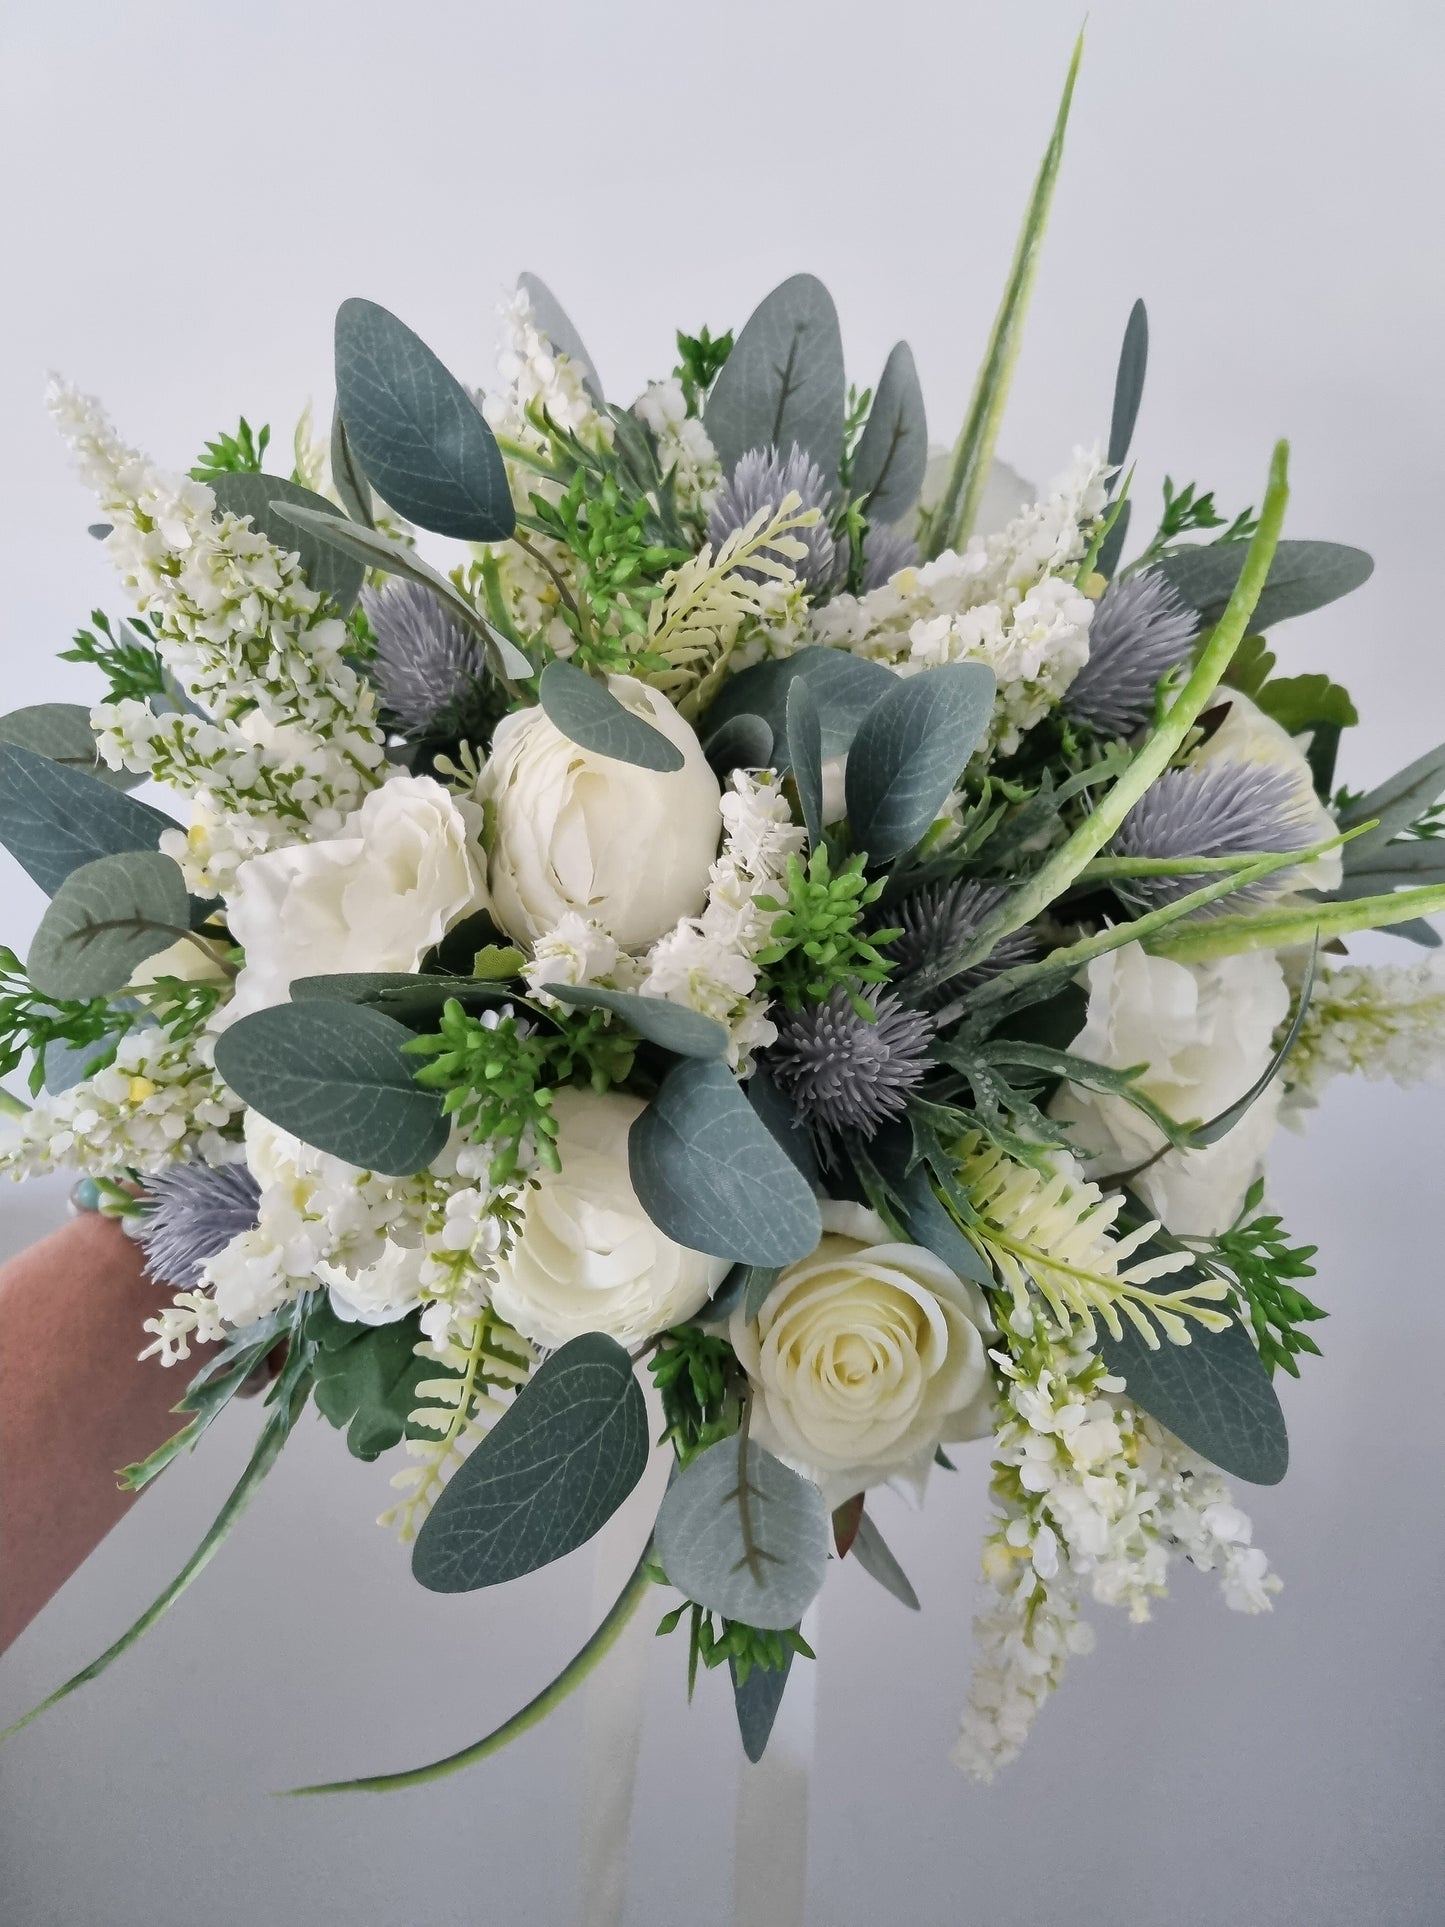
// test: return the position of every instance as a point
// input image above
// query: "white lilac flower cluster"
(1011, 601)
(281, 740)
(683, 445)
(1382, 1021)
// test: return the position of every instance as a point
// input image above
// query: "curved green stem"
(536, 1710)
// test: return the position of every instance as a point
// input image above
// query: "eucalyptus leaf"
(1129, 384)
(784, 382)
(348, 477)
(756, 1702)
(843, 686)
(552, 320)
(262, 497)
(104, 921)
(52, 818)
(66, 1065)
(335, 1075)
(62, 732)
(418, 434)
(550, 1473)
(1106, 563)
(711, 1175)
(893, 451)
(376, 550)
(765, 1573)
(909, 752)
(674, 1027)
(1303, 576)
(780, 1114)
(742, 742)
(871, 1551)
(805, 755)
(396, 991)
(759, 1288)
(930, 1225)
(1392, 806)
(588, 714)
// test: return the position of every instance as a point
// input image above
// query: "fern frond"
(695, 624)
(459, 1409)
(1053, 1232)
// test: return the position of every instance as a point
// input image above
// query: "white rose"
(624, 847)
(402, 869)
(1206, 1031)
(586, 1257)
(1247, 735)
(865, 1356)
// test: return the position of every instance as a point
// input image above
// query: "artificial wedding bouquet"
(772, 908)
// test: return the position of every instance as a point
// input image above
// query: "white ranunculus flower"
(586, 1257)
(1206, 1032)
(865, 1356)
(399, 873)
(1005, 492)
(1247, 735)
(624, 847)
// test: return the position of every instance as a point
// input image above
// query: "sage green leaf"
(62, 732)
(348, 477)
(1106, 563)
(1393, 806)
(909, 752)
(1304, 702)
(1417, 860)
(756, 1702)
(893, 452)
(1129, 384)
(218, 1381)
(783, 383)
(674, 1027)
(712, 1176)
(872, 1554)
(754, 1549)
(366, 1377)
(550, 1473)
(805, 755)
(552, 320)
(929, 1225)
(780, 1115)
(742, 742)
(105, 920)
(263, 498)
(335, 1076)
(758, 1288)
(1212, 1393)
(376, 550)
(843, 686)
(1303, 576)
(587, 713)
(53, 818)
(418, 434)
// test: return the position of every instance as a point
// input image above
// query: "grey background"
(190, 190)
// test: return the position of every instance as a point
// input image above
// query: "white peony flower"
(1206, 1032)
(1247, 735)
(625, 847)
(586, 1257)
(401, 870)
(865, 1356)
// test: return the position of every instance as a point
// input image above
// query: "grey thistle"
(1215, 808)
(845, 1073)
(761, 479)
(938, 922)
(424, 660)
(192, 1212)
(887, 548)
(1140, 631)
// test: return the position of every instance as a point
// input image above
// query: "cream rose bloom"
(1206, 1031)
(865, 1357)
(401, 870)
(586, 1257)
(1247, 735)
(624, 847)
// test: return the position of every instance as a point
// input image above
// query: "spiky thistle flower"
(192, 1212)
(939, 921)
(1141, 629)
(887, 548)
(424, 660)
(1215, 808)
(762, 479)
(845, 1073)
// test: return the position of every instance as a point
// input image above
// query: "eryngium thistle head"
(1215, 808)
(938, 922)
(192, 1213)
(1141, 629)
(887, 548)
(843, 1073)
(761, 479)
(423, 659)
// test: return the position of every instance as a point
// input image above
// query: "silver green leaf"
(1302, 576)
(106, 919)
(53, 818)
(375, 550)
(348, 477)
(871, 1551)
(805, 755)
(687, 1033)
(588, 714)
(756, 1702)
(754, 1549)
(1392, 806)
(418, 434)
(1129, 384)
(783, 383)
(62, 732)
(910, 750)
(262, 497)
(742, 742)
(844, 687)
(893, 452)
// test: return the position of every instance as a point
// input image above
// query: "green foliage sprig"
(620, 569)
(1257, 1254)
(129, 661)
(238, 454)
(714, 1641)
(700, 357)
(30, 1021)
(699, 1381)
(816, 941)
(1187, 512)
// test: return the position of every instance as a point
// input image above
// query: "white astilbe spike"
(1053, 1234)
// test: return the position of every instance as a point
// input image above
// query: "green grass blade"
(1272, 929)
(571, 1676)
(973, 451)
